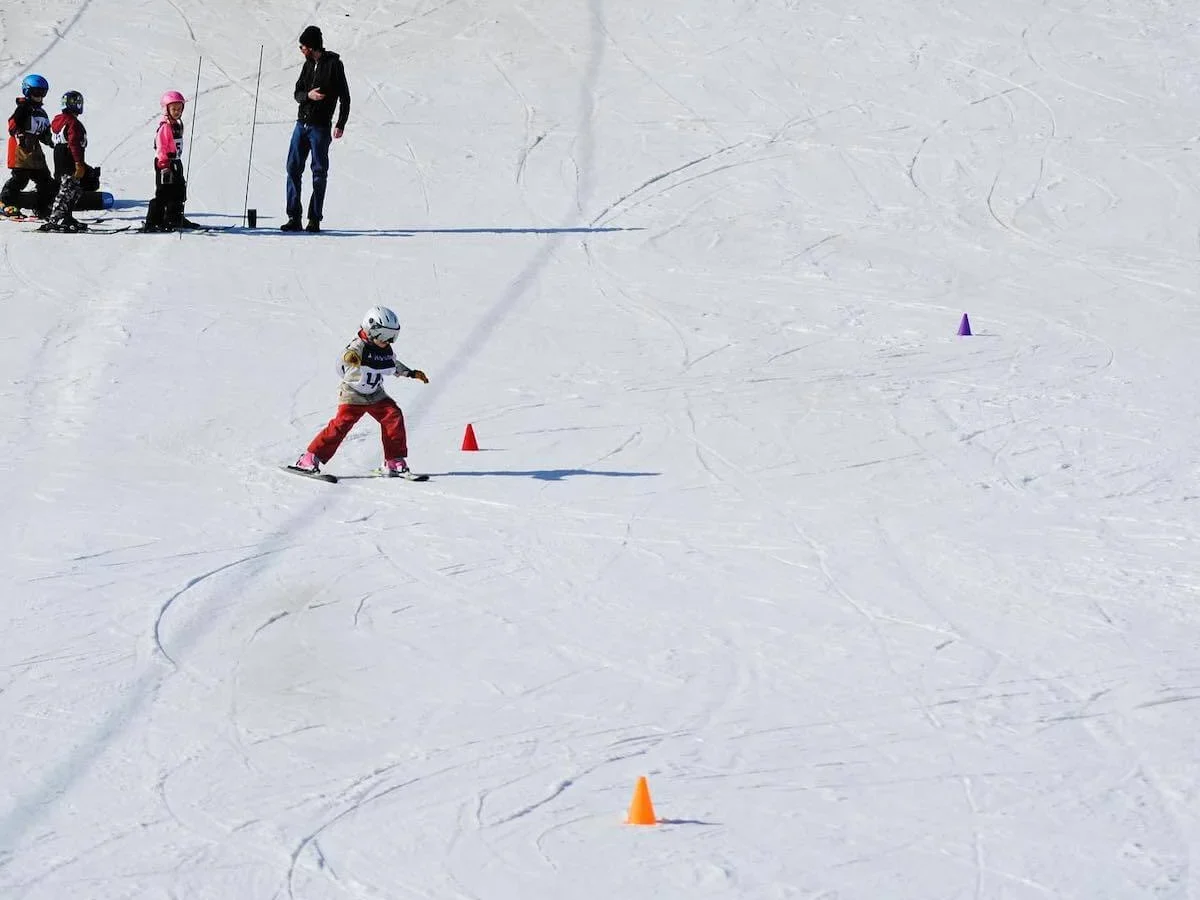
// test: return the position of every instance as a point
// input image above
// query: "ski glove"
(80, 171)
(419, 375)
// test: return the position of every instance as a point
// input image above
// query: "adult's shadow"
(497, 229)
(267, 228)
(544, 474)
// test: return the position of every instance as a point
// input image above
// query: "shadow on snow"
(543, 474)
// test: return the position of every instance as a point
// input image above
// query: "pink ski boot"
(395, 468)
(308, 462)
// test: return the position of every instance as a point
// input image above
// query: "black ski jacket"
(327, 74)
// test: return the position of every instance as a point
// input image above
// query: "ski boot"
(69, 225)
(308, 463)
(394, 468)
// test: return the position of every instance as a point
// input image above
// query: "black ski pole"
(253, 120)
(195, 103)
(195, 98)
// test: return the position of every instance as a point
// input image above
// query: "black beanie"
(311, 38)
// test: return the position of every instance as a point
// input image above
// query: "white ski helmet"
(380, 323)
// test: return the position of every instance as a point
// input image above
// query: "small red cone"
(469, 442)
(964, 327)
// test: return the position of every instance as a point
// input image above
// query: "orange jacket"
(28, 130)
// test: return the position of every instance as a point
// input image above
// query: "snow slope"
(881, 612)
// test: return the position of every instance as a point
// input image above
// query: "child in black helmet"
(70, 143)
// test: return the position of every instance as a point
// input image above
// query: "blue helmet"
(32, 83)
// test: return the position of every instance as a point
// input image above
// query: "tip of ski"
(316, 476)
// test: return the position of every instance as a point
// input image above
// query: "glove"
(419, 375)
(167, 175)
(80, 171)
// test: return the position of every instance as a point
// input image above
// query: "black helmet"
(72, 101)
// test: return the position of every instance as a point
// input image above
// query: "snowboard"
(88, 200)
(96, 200)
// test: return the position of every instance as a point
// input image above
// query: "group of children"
(366, 359)
(55, 197)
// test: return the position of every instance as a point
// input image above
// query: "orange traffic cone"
(641, 810)
(469, 442)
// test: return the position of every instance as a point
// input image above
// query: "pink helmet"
(171, 97)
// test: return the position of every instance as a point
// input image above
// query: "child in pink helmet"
(165, 212)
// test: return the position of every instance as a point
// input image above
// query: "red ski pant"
(385, 412)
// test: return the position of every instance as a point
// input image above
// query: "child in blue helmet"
(28, 130)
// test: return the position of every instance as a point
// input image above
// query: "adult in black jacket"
(320, 88)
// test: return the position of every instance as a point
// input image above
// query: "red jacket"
(66, 129)
(70, 142)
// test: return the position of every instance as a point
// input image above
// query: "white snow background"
(881, 612)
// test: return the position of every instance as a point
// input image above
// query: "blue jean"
(306, 138)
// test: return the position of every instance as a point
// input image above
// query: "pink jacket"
(168, 142)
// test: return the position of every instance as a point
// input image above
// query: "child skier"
(70, 142)
(165, 212)
(365, 362)
(28, 129)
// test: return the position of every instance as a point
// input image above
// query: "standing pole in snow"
(195, 98)
(253, 119)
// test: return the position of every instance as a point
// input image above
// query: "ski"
(5, 217)
(210, 229)
(375, 473)
(91, 229)
(316, 476)
(199, 229)
(407, 476)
